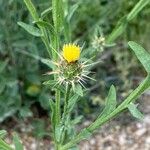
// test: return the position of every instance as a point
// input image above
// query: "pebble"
(140, 132)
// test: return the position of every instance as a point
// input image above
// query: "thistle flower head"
(71, 52)
(69, 69)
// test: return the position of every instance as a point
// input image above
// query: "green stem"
(58, 111)
(99, 122)
(121, 27)
(66, 100)
(35, 17)
(131, 98)
(55, 44)
(57, 19)
(66, 115)
(66, 24)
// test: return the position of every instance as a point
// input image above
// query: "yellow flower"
(71, 52)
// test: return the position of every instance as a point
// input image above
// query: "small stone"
(140, 132)
(92, 141)
(147, 141)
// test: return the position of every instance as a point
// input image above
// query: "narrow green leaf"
(3, 65)
(135, 112)
(46, 12)
(4, 145)
(47, 62)
(72, 11)
(17, 142)
(138, 7)
(30, 29)
(144, 85)
(25, 112)
(121, 26)
(2, 133)
(31, 9)
(111, 103)
(76, 120)
(142, 55)
(52, 106)
(72, 101)
(45, 25)
(118, 30)
(50, 83)
(78, 89)
(57, 13)
(84, 134)
(58, 132)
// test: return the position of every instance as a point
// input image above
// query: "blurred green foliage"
(21, 75)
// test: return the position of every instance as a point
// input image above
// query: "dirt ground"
(123, 133)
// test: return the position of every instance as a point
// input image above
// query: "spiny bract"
(69, 70)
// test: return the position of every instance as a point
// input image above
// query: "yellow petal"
(71, 52)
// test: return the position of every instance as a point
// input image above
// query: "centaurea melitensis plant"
(70, 73)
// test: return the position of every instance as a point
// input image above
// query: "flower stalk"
(99, 122)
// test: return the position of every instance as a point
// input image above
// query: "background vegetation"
(22, 94)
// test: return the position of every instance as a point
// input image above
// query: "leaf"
(72, 11)
(30, 29)
(57, 13)
(135, 112)
(45, 25)
(118, 30)
(100, 121)
(138, 7)
(144, 85)
(2, 87)
(31, 9)
(84, 134)
(44, 100)
(2, 133)
(76, 120)
(3, 65)
(47, 62)
(58, 132)
(4, 145)
(121, 26)
(50, 83)
(73, 100)
(52, 106)
(17, 142)
(11, 111)
(110, 103)
(46, 12)
(78, 89)
(25, 112)
(142, 55)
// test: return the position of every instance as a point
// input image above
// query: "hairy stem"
(66, 100)
(99, 122)
(58, 112)
(66, 115)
